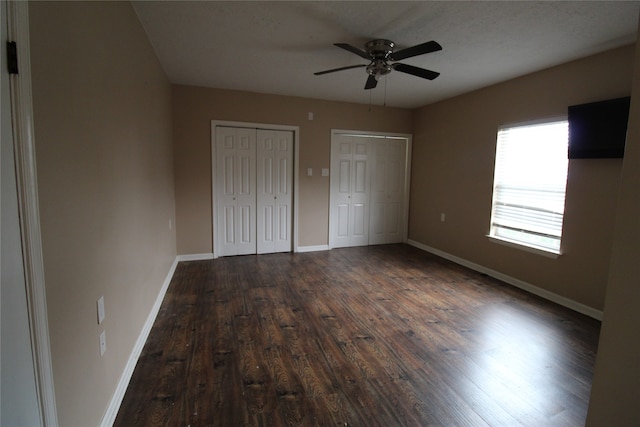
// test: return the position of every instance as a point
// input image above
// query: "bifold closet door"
(388, 215)
(350, 188)
(235, 191)
(274, 190)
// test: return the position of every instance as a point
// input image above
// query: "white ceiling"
(275, 47)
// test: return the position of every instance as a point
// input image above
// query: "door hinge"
(12, 57)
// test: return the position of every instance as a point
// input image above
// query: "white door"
(274, 187)
(236, 191)
(388, 215)
(350, 188)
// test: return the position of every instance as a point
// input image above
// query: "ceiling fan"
(382, 60)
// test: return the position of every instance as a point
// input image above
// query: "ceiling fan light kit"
(382, 60)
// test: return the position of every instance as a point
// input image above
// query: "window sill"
(517, 245)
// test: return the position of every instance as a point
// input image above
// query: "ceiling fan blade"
(371, 82)
(416, 50)
(319, 73)
(361, 53)
(416, 71)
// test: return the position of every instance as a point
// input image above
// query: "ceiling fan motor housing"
(380, 48)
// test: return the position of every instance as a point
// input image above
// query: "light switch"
(325, 171)
(309, 172)
(100, 310)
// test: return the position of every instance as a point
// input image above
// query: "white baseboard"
(195, 257)
(313, 248)
(558, 299)
(116, 400)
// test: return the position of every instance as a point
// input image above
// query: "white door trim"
(407, 177)
(22, 112)
(296, 155)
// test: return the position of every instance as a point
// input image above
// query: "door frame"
(296, 154)
(407, 177)
(29, 213)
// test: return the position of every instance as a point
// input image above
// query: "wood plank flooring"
(374, 336)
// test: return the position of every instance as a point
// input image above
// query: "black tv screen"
(598, 130)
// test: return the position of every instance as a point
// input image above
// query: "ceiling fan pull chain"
(385, 92)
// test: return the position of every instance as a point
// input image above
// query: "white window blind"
(529, 184)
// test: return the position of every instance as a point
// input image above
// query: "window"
(529, 185)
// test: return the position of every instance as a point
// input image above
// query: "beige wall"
(453, 161)
(616, 386)
(102, 109)
(195, 107)
(107, 142)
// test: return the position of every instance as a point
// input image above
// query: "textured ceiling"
(275, 47)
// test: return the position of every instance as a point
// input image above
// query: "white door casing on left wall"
(265, 220)
(17, 29)
(18, 385)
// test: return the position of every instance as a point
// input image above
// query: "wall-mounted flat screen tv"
(598, 130)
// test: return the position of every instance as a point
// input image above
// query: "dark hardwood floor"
(374, 336)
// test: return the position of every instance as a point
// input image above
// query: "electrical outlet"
(103, 343)
(100, 310)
